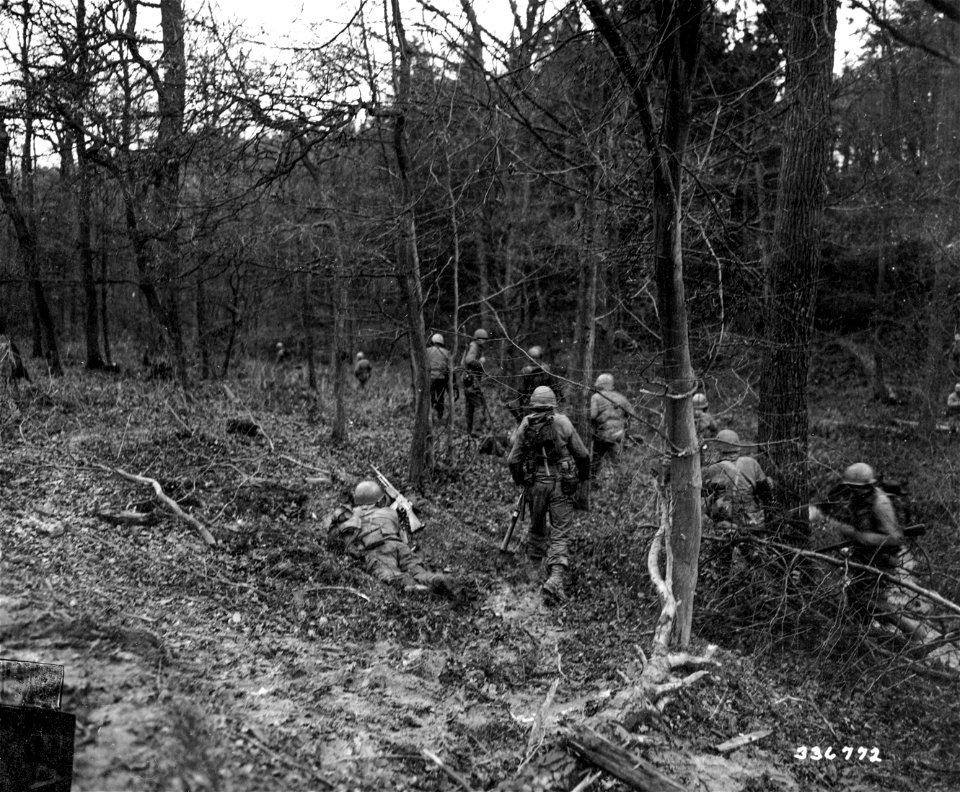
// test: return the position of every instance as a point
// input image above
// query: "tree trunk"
(84, 200)
(795, 254)
(408, 267)
(679, 49)
(341, 340)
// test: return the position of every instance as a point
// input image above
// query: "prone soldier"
(371, 533)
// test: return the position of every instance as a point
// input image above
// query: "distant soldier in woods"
(438, 364)
(736, 486)
(549, 459)
(473, 374)
(370, 532)
(705, 422)
(955, 355)
(534, 375)
(362, 369)
(609, 417)
(11, 361)
(953, 407)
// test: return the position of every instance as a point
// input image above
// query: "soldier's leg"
(538, 496)
(558, 552)
(383, 563)
(468, 409)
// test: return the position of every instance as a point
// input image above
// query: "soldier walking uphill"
(702, 417)
(609, 415)
(473, 377)
(438, 365)
(534, 375)
(362, 369)
(736, 485)
(549, 459)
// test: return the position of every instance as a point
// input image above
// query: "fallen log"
(633, 771)
(128, 518)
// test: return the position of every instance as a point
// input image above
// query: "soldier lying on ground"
(370, 532)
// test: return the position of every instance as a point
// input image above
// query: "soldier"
(473, 373)
(736, 485)
(370, 532)
(362, 369)
(550, 460)
(438, 364)
(704, 420)
(867, 517)
(532, 376)
(609, 415)
(953, 402)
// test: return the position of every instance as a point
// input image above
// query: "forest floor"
(268, 663)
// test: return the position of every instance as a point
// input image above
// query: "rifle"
(515, 516)
(401, 505)
(910, 532)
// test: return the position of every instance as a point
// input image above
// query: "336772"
(848, 753)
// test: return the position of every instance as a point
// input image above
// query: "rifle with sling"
(404, 509)
(515, 516)
(910, 532)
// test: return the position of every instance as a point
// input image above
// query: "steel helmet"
(728, 440)
(859, 474)
(543, 398)
(535, 352)
(700, 401)
(436, 338)
(480, 333)
(359, 355)
(279, 344)
(604, 382)
(957, 387)
(367, 493)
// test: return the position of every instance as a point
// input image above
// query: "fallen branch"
(633, 771)
(128, 518)
(742, 740)
(166, 500)
(454, 776)
(233, 397)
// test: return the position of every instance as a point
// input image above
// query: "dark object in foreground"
(243, 426)
(632, 770)
(36, 739)
(515, 516)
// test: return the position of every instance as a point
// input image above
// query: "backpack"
(542, 444)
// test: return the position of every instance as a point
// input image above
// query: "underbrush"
(792, 658)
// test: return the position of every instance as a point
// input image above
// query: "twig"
(454, 776)
(304, 464)
(339, 588)
(179, 419)
(587, 782)
(165, 500)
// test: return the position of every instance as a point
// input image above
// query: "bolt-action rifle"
(515, 516)
(408, 517)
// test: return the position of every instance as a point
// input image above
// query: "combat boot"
(554, 589)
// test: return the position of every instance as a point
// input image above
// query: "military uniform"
(706, 424)
(551, 472)
(738, 486)
(362, 370)
(371, 534)
(609, 415)
(472, 383)
(438, 365)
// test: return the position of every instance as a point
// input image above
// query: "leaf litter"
(268, 663)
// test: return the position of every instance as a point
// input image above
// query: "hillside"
(268, 663)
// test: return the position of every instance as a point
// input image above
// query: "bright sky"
(288, 22)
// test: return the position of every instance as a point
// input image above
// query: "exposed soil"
(267, 663)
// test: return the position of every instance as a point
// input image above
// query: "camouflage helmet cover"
(604, 382)
(436, 338)
(480, 333)
(700, 401)
(366, 493)
(859, 474)
(543, 398)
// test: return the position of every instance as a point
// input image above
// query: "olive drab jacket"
(368, 527)
(438, 362)
(609, 413)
